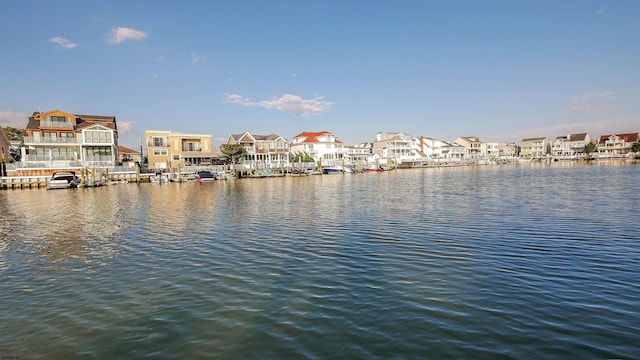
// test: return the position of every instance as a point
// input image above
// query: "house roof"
(126, 150)
(267, 137)
(82, 121)
(628, 137)
(312, 137)
(577, 137)
(534, 139)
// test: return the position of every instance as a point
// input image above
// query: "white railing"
(44, 140)
(56, 124)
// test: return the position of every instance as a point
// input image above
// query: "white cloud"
(197, 58)
(600, 11)
(65, 43)
(585, 109)
(593, 96)
(287, 102)
(14, 119)
(124, 127)
(121, 34)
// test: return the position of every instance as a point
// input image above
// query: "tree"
(302, 157)
(15, 134)
(590, 148)
(635, 147)
(233, 152)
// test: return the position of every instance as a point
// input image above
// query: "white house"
(321, 146)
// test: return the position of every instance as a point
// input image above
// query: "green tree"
(635, 147)
(233, 152)
(302, 157)
(589, 149)
(15, 134)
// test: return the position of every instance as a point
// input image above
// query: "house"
(57, 139)
(267, 150)
(570, 146)
(321, 146)
(5, 147)
(490, 150)
(361, 154)
(472, 144)
(535, 147)
(5, 152)
(440, 151)
(398, 148)
(616, 145)
(508, 150)
(129, 157)
(167, 149)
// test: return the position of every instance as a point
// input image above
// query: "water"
(532, 261)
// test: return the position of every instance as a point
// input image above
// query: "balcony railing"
(46, 140)
(56, 124)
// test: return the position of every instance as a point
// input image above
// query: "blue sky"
(499, 70)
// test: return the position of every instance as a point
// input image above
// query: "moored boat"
(373, 168)
(332, 170)
(63, 180)
(205, 175)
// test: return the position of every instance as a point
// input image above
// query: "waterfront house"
(570, 146)
(472, 144)
(167, 149)
(616, 145)
(5, 152)
(128, 157)
(398, 147)
(321, 146)
(535, 147)
(5, 147)
(508, 150)
(265, 151)
(440, 151)
(489, 150)
(361, 155)
(57, 139)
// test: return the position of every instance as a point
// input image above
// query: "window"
(160, 152)
(58, 119)
(97, 136)
(176, 157)
(159, 141)
(190, 146)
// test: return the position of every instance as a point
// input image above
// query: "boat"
(205, 175)
(159, 178)
(373, 168)
(332, 170)
(63, 180)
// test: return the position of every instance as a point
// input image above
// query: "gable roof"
(534, 139)
(312, 136)
(577, 137)
(628, 137)
(126, 150)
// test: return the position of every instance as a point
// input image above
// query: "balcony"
(47, 140)
(56, 125)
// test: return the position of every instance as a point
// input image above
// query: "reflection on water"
(481, 262)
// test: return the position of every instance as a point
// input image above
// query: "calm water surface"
(519, 262)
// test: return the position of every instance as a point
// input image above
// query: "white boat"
(63, 180)
(331, 170)
(159, 178)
